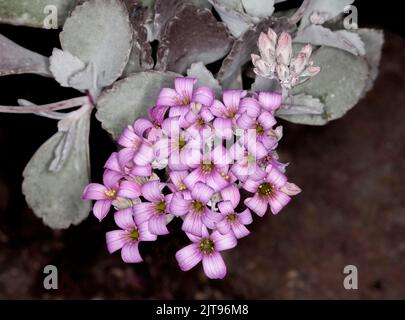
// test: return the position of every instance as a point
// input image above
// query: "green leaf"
(131, 98)
(31, 13)
(99, 32)
(339, 85)
(55, 196)
(15, 59)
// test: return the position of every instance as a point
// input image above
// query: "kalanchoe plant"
(180, 135)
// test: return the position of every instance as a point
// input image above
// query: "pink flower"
(197, 214)
(177, 185)
(233, 222)
(198, 118)
(206, 248)
(155, 212)
(268, 191)
(110, 191)
(136, 148)
(179, 98)
(127, 240)
(226, 112)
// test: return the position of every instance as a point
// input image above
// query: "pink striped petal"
(266, 120)
(202, 192)
(157, 224)
(179, 206)
(111, 179)
(290, 189)
(143, 211)
(193, 224)
(157, 113)
(246, 122)
(125, 156)
(116, 240)
(232, 98)
(214, 266)
(184, 86)
(206, 114)
(101, 208)
(218, 109)
(270, 100)
(232, 194)
(113, 163)
(278, 201)
(226, 207)
(188, 257)
(223, 226)
(257, 205)
(128, 138)
(275, 177)
(144, 233)
(216, 181)
(251, 106)
(251, 185)
(129, 189)
(141, 171)
(223, 128)
(167, 97)
(144, 156)
(151, 191)
(141, 126)
(203, 95)
(171, 126)
(245, 217)
(239, 230)
(193, 178)
(94, 191)
(223, 241)
(125, 219)
(130, 253)
(210, 218)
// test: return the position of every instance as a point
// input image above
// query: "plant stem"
(296, 17)
(61, 105)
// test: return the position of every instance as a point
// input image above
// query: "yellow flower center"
(207, 246)
(161, 207)
(265, 190)
(207, 167)
(231, 217)
(110, 193)
(259, 129)
(134, 235)
(198, 206)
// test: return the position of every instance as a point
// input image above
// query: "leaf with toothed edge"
(192, 35)
(55, 196)
(15, 59)
(99, 32)
(131, 98)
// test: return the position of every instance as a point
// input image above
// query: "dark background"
(351, 211)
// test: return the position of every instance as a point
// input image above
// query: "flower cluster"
(276, 60)
(191, 159)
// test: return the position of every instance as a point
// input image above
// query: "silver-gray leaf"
(131, 98)
(15, 59)
(99, 32)
(55, 197)
(204, 77)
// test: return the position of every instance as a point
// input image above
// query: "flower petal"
(184, 86)
(245, 217)
(290, 189)
(270, 100)
(145, 154)
(275, 177)
(167, 97)
(246, 122)
(125, 156)
(232, 98)
(141, 171)
(203, 95)
(116, 240)
(251, 185)
(251, 106)
(157, 224)
(144, 233)
(113, 163)
(141, 125)
(223, 128)
(216, 181)
(130, 253)
(111, 179)
(210, 218)
(232, 194)
(125, 219)
(278, 201)
(239, 230)
(129, 189)
(151, 191)
(267, 120)
(101, 208)
(257, 205)
(202, 192)
(223, 226)
(223, 241)
(188, 257)
(218, 109)
(193, 178)
(193, 224)
(179, 206)
(94, 191)
(128, 138)
(214, 266)
(226, 207)
(143, 211)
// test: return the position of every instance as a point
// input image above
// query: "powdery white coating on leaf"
(259, 8)
(63, 65)
(327, 8)
(339, 85)
(374, 41)
(299, 105)
(204, 77)
(15, 59)
(55, 197)
(99, 32)
(30, 13)
(264, 84)
(131, 98)
(192, 35)
(341, 39)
